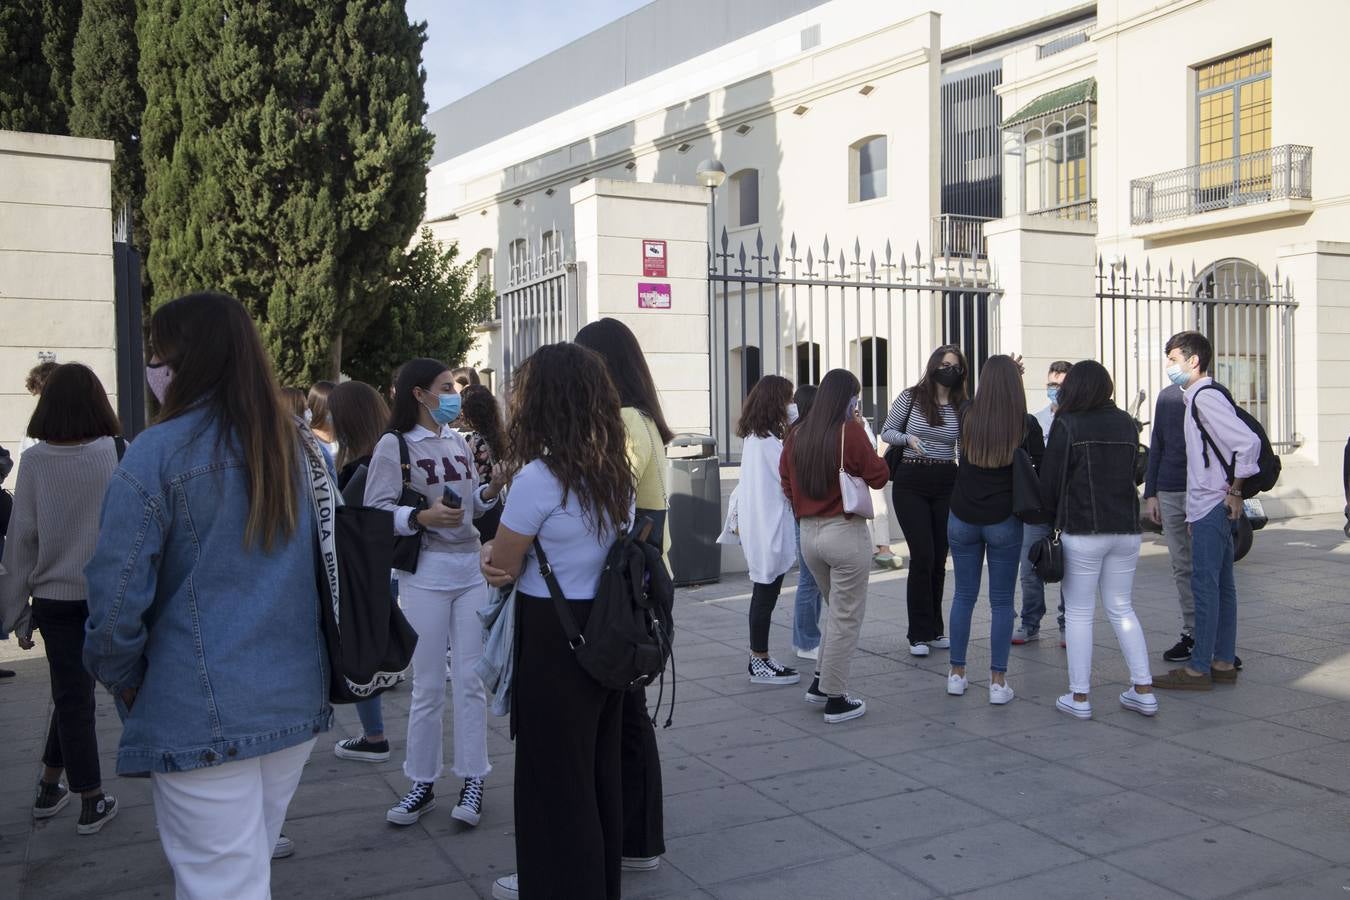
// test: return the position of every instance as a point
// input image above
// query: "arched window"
(745, 198)
(808, 363)
(871, 362)
(483, 266)
(519, 255)
(548, 249)
(867, 169)
(1237, 323)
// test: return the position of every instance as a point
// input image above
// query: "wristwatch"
(1234, 493)
(413, 523)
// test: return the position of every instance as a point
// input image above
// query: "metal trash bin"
(695, 520)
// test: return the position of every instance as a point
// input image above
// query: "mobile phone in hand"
(451, 499)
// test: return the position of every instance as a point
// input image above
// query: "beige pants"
(838, 552)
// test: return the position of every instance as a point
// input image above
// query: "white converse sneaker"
(1144, 704)
(956, 685)
(506, 888)
(1079, 709)
(942, 642)
(919, 648)
(640, 863)
(813, 653)
(1000, 694)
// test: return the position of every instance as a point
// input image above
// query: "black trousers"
(922, 498)
(72, 743)
(569, 802)
(644, 833)
(763, 599)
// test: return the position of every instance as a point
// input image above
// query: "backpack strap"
(575, 638)
(1206, 439)
(120, 444)
(404, 460)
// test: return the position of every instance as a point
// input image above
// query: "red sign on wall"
(654, 259)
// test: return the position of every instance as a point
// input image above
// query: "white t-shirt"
(575, 551)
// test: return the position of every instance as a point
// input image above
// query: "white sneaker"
(284, 849)
(919, 649)
(813, 653)
(1144, 704)
(941, 643)
(956, 685)
(999, 694)
(506, 888)
(1079, 709)
(640, 863)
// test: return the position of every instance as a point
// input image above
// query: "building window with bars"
(867, 169)
(1049, 154)
(1233, 118)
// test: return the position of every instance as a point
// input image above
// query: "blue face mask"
(447, 411)
(1052, 392)
(1177, 375)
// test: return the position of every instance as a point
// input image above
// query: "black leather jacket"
(1099, 448)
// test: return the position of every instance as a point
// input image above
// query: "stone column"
(1049, 311)
(612, 219)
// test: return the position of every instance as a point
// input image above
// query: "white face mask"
(793, 415)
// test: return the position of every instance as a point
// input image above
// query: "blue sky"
(473, 42)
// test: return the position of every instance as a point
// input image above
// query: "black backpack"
(628, 636)
(1268, 461)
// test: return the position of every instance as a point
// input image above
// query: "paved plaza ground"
(1241, 792)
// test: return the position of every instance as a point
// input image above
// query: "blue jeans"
(806, 616)
(968, 545)
(371, 714)
(1214, 588)
(1033, 589)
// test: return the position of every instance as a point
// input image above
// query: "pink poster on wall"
(653, 296)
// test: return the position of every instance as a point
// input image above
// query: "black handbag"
(407, 547)
(1047, 554)
(1027, 490)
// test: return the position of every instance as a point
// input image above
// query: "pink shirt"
(1206, 487)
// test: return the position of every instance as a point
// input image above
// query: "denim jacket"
(1100, 496)
(221, 642)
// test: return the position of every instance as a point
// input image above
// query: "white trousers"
(437, 615)
(218, 825)
(1104, 562)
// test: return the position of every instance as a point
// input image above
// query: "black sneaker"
(362, 749)
(95, 813)
(469, 809)
(1237, 662)
(814, 694)
(1181, 650)
(418, 801)
(51, 799)
(771, 671)
(842, 708)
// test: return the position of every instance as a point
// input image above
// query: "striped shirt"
(904, 422)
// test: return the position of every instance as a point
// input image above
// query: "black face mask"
(949, 378)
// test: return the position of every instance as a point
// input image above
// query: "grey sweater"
(54, 526)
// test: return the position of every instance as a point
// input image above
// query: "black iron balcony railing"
(1279, 173)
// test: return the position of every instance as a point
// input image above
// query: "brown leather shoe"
(1181, 680)
(1224, 676)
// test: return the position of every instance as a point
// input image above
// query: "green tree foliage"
(36, 39)
(433, 309)
(285, 161)
(106, 99)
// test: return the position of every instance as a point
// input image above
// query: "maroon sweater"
(860, 459)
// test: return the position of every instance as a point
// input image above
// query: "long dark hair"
(73, 406)
(1088, 386)
(210, 344)
(619, 348)
(415, 373)
(765, 409)
(815, 440)
(317, 401)
(924, 394)
(480, 412)
(565, 413)
(360, 416)
(994, 425)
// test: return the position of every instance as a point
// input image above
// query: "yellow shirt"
(647, 459)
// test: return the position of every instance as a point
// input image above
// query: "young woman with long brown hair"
(442, 598)
(319, 419)
(573, 492)
(52, 534)
(993, 426)
(646, 436)
(763, 518)
(924, 425)
(207, 531)
(830, 441)
(481, 423)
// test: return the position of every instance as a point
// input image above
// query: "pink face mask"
(158, 376)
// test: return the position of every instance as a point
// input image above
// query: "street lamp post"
(711, 174)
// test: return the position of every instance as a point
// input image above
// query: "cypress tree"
(285, 161)
(36, 37)
(106, 98)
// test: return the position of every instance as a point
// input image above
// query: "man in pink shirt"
(1215, 470)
